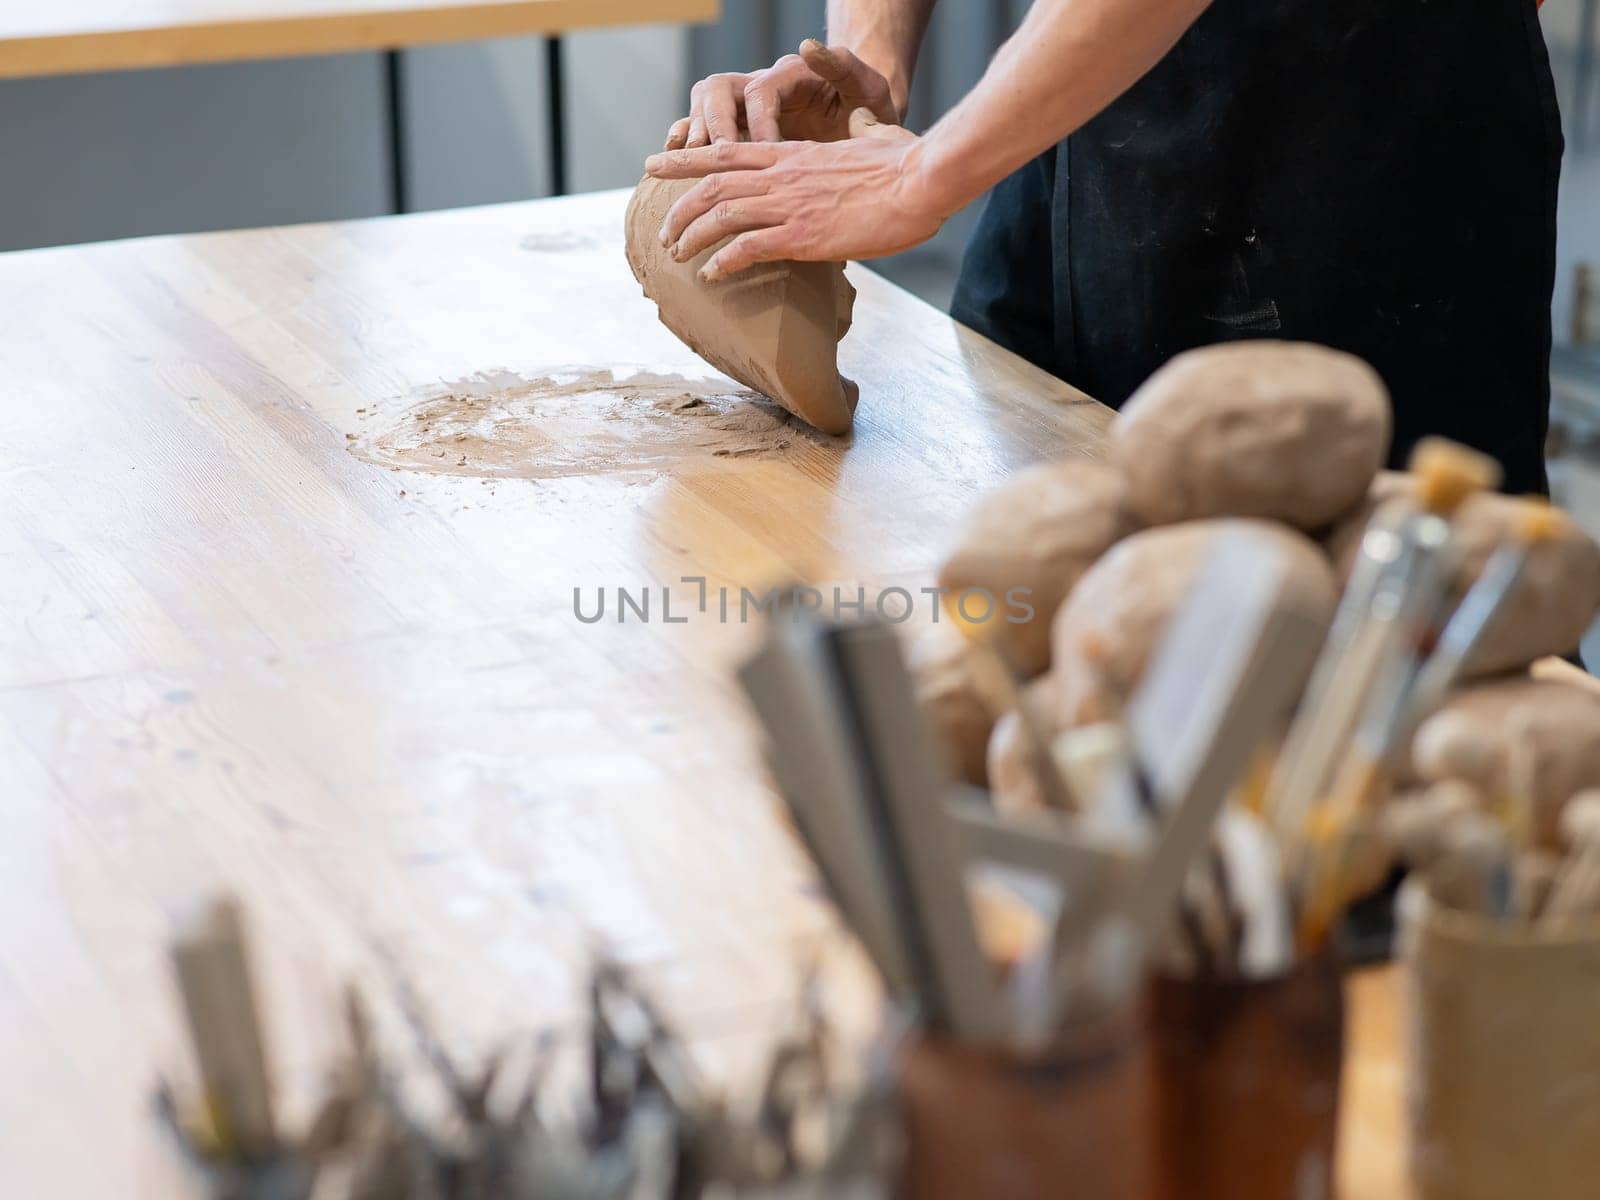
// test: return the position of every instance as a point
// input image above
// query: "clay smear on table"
(577, 421)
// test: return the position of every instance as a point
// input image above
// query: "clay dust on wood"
(577, 421)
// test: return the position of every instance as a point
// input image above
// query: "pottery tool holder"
(1246, 1083)
(897, 844)
(1503, 1052)
(653, 1132)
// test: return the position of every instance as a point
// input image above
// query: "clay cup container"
(1070, 1125)
(1246, 1084)
(1502, 1054)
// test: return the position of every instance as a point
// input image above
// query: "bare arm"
(884, 34)
(888, 189)
(1069, 60)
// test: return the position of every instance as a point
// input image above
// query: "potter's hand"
(802, 97)
(863, 197)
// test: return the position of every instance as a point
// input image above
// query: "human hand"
(862, 197)
(802, 97)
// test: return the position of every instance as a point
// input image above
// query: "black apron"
(1375, 175)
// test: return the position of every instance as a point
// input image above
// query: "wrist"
(936, 178)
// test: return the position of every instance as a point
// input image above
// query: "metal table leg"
(394, 91)
(555, 82)
(1585, 68)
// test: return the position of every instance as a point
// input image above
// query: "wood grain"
(234, 653)
(42, 38)
(1372, 1141)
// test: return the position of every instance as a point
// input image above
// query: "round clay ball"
(1104, 634)
(1028, 541)
(1554, 600)
(1415, 824)
(1580, 820)
(1285, 430)
(1014, 765)
(1532, 735)
(961, 708)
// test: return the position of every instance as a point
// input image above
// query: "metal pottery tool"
(213, 972)
(1474, 617)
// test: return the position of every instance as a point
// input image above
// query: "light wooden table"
(235, 653)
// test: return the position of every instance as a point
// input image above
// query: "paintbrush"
(1537, 521)
(1368, 684)
(1394, 593)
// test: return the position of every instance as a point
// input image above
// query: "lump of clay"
(1527, 735)
(1014, 765)
(1415, 824)
(952, 692)
(1103, 635)
(775, 328)
(1554, 600)
(1033, 537)
(1285, 430)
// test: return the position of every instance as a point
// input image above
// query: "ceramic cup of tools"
(1246, 1084)
(1071, 1123)
(1502, 1053)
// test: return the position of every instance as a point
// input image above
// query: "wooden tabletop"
(292, 525)
(41, 37)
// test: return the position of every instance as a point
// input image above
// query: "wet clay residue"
(578, 421)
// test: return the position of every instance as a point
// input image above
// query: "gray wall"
(102, 156)
(89, 157)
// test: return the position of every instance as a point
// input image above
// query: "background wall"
(90, 157)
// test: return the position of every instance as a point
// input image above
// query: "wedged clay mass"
(1040, 530)
(1013, 756)
(1555, 599)
(1103, 635)
(1284, 430)
(775, 328)
(960, 706)
(1519, 734)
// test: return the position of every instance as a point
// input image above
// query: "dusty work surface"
(256, 632)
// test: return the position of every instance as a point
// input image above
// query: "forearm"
(884, 34)
(1069, 60)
